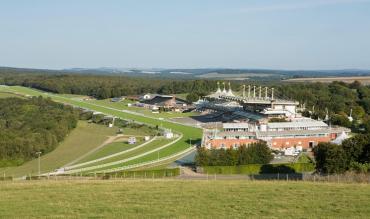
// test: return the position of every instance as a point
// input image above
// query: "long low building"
(307, 134)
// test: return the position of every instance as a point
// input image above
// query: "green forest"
(32, 125)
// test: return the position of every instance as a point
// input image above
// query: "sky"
(268, 34)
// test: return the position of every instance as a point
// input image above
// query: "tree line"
(32, 125)
(255, 153)
(102, 86)
(352, 155)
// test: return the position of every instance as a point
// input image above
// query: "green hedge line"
(260, 168)
(160, 173)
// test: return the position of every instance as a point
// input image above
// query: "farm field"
(364, 79)
(173, 198)
(188, 133)
(80, 141)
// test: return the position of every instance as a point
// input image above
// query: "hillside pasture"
(160, 198)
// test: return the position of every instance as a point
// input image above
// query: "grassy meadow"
(182, 199)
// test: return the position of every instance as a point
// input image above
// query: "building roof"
(240, 125)
(163, 99)
(249, 115)
(300, 124)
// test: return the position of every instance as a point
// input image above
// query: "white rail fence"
(109, 156)
(115, 162)
(181, 153)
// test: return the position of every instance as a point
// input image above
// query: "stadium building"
(257, 115)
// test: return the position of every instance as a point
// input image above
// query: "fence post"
(287, 177)
(314, 178)
(278, 176)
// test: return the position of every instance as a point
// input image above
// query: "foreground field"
(364, 80)
(185, 199)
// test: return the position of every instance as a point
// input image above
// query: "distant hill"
(199, 73)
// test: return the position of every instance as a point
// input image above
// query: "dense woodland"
(32, 125)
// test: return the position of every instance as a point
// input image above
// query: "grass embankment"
(183, 199)
(188, 132)
(84, 138)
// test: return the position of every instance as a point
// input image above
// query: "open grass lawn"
(183, 199)
(81, 140)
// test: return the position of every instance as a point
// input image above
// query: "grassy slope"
(188, 132)
(185, 199)
(80, 141)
